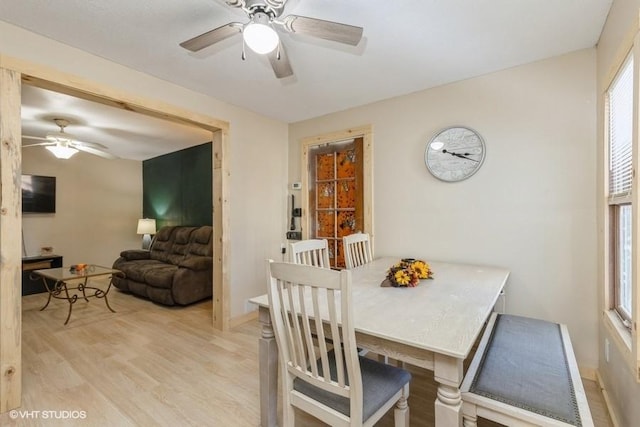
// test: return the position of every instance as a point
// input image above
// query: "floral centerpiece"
(408, 273)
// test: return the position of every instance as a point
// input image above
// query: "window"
(620, 136)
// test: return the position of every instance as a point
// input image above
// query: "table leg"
(82, 287)
(72, 299)
(57, 289)
(49, 291)
(448, 372)
(106, 301)
(268, 352)
(103, 294)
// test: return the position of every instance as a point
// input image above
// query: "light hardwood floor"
(149, 365)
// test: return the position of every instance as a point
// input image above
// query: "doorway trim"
(13, 73)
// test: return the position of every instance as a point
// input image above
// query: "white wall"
(258, 153)
(530, 208)
(98, 203)
(617, 375)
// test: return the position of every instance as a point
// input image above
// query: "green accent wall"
(177, 187)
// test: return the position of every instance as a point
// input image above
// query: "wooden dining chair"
(357, 249)
(334, 384)
(310, 252)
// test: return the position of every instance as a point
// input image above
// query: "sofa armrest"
(134, 254)
(197, 263)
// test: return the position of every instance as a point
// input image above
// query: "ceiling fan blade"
(328, 30)
(211, 37)
(39, 138)
(280, 62)
(95, 151)
(75, 143)
(39, 144)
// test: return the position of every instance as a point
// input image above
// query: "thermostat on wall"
(296, 186)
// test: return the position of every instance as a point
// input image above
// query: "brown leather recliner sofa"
(177, 269)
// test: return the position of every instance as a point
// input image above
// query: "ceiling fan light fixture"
(259, 35)
(62, 151)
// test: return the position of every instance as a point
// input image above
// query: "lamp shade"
(146, 226)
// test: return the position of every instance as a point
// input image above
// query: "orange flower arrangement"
(408, 272)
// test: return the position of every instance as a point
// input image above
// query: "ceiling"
(126, 134)
(407, 46)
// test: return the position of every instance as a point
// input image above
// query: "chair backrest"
(303, 301)
(357, 249)
(310, 252)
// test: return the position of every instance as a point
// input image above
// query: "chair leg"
(288, 416)
(469, 415)
(389, 361)
(288, 411)
(401, 412)
(468, 421)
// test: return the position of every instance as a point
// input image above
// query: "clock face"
(454, 154)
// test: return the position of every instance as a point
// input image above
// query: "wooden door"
(336, 205)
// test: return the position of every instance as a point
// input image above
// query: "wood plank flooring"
(149, 365)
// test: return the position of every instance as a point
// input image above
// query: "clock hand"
(465, 157)
(462, 156)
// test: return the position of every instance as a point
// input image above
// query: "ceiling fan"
(64, 145)
(261, 36)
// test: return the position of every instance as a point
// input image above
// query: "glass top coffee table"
(72, 283)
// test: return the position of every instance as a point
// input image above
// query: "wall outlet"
(606, 350)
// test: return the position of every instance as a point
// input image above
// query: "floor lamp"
(146, 227)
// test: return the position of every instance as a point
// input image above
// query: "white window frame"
(624, 333)
(620, 196)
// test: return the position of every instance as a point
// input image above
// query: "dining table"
(433, 325)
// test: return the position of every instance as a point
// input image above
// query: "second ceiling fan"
(64, 145)
(261, 36)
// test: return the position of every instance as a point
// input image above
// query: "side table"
(33, 285)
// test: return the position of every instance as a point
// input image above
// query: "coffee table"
(66, 288)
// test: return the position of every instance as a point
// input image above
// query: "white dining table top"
(444, 314)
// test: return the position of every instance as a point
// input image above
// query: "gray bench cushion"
(525, 366)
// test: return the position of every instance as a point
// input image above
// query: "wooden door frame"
(13, 73)
(364, 132)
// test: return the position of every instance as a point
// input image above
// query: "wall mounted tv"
(38, 194)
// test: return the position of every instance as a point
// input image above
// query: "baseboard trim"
(588, 373)
(607, 400)
(243, 318)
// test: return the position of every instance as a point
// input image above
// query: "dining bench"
(524, 373)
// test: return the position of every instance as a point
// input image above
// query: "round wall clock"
(454, 154)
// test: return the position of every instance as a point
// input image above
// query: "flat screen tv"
(38, 194)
